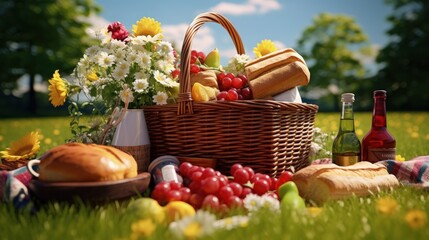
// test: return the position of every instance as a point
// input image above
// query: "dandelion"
(48, 141)
(142, 228)
(140, 85)
(24, 148)
(56, 132)
(147, 26)
(264, 47)
(416, 219)
(160, 98)
(399, 158)
(386, 205)
(57, 90)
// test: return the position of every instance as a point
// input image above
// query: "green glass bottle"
(346, 147)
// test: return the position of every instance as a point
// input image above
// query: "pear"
(213, 59)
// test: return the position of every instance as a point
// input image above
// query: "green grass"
(353, 218)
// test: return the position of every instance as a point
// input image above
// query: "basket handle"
(185, 98)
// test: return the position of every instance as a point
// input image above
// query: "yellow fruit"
(176, 210)
(213, 59)
(144, 208)
(199, 94)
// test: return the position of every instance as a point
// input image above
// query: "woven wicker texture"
(268, 136)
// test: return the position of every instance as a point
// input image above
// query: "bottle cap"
(380, 93)
(347, 97)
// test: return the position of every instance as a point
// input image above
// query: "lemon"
(144, 208)
(176, 210)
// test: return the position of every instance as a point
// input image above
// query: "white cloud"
(248, 7)
(203, 40)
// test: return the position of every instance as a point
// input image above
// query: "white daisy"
(252, 202)
(270, 203)
(120, 73)
(126, 94)
(132, 57)
(105, 60)
(232, 222)
(141, 75)
(138, 41)
(160, 98)
(145, 60)
(165, 66)
(165, 48)
(140, 85)
(118, 45)
(196, 226)
(160, 77)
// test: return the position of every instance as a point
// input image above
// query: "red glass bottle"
(378, 144)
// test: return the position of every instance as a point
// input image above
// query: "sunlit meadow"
(399, 214)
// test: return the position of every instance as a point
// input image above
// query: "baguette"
(322, 182)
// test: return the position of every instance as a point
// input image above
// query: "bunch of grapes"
(233, 87)
(197, 59)
(209, 189)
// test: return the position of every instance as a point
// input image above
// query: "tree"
(39, 36)
(333, 47)
(405, 59)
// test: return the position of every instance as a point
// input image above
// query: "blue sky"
(282, 21)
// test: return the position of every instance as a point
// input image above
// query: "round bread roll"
(77, 162)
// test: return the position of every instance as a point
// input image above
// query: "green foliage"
(405, 72)
(333, 47)
(356, 218)
(39, 36)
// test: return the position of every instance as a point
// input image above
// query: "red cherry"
(237, 83)
(230, 75)
(261, 186)
(241, 176)
(243, 78)
(232, 95)
(234, 167)
(222, 95)
(211, 202)
(226, 82)
(201, 57)
(195, 68)
(246, 92)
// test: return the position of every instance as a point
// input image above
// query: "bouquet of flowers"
(123, 70)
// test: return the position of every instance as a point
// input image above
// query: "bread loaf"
(321, 182)
(77, 162)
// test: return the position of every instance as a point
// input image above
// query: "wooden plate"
(94, 192)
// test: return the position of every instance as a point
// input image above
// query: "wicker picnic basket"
(269, 136)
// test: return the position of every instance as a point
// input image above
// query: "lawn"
(387, 215)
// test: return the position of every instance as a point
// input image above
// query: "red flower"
(118, 30)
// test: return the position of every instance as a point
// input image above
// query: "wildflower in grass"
(147, 27)
(24, 148)
(48, 141)
(399, 158)
(232, 222)
(57, 90)
(386, 205)
(314, 211)
(253, 203)
(264, 47)
(192, 227)
(416, 219)
(142, 228)
(56, 132)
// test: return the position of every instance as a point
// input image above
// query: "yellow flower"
(314, 211)
(387, 205)
(264, 47)
(142, 228)
(147, 26)
(57, 90)
(416, 219)
(24, 148)
(400, 158)
(92, 77)
(192, 230)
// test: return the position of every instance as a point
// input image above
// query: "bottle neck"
(379, 113)
(347, 118)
